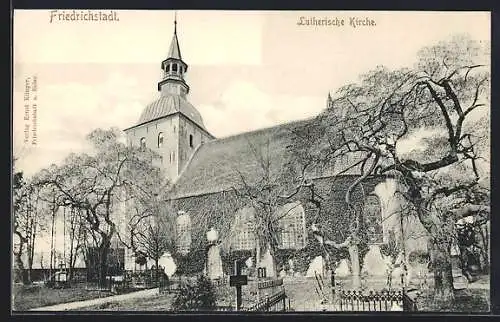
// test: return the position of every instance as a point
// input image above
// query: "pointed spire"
(175, 22)
(329, 101)
(175, 51)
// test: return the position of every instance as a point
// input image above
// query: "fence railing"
(276, 302)
(224, 280)
(409, 305)
(172, 284)
(269, 284)
(224, 309)
(352, 300)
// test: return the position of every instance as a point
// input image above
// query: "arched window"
(143, 143)
(372, 213)
(160, 139)
(244, 230)
(168, 68)
(292, 226)
(190, 140)
(183, 228)
(174, 67)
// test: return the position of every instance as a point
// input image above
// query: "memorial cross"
(238, 280)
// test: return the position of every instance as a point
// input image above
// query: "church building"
(207, 174)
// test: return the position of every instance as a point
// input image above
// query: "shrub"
(192, 263)
(419, 257)
(197, 296)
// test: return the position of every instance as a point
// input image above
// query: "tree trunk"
(355, 265)
(157, 277)
(18, 258)
(272, 252)
(442, 269)
(31, 249)
(32, 238)
(71, 262)
(103, 260)
(257, 253)
(485, 239)
(52, 239)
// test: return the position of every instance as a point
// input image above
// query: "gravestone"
(129, 262)
(214, 263)
(168, 263)
(374, 263)
(249, 262)
(291, 266)
(343, 269)
(237, 281)
(268, 263)
(317, 265)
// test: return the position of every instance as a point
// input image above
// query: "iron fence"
(273, 303)
(269, 284)
(409, 305)
(385, 300)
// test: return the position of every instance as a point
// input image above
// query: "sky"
(247, 69)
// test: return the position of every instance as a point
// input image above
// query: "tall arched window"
(143, 143)
(160, 139)
(244, 230)
(183, 228)
(190, 140)
(168, 68)
(372, 213)
(292, 226)
(174, 67)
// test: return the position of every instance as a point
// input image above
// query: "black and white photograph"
(178, 161)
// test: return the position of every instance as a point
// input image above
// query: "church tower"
(170, 125)
(329, 101)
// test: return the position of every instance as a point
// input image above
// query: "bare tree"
(267, 190)
(155, 236)
(76, 231)
(28, 222)
(371, 120)
(94, 184)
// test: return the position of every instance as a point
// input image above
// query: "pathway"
(98, 301)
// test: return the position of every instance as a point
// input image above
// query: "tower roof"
(170, 104)
(175, 51)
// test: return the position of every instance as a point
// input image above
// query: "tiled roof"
(170, 104)
(217, 164)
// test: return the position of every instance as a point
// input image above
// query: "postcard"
(242, 161)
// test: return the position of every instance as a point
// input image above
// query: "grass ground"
(466, 301)
(473, 299)
(163, 302)
(301, 292)
(159, 303)
(303, 297)
(27, 297)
